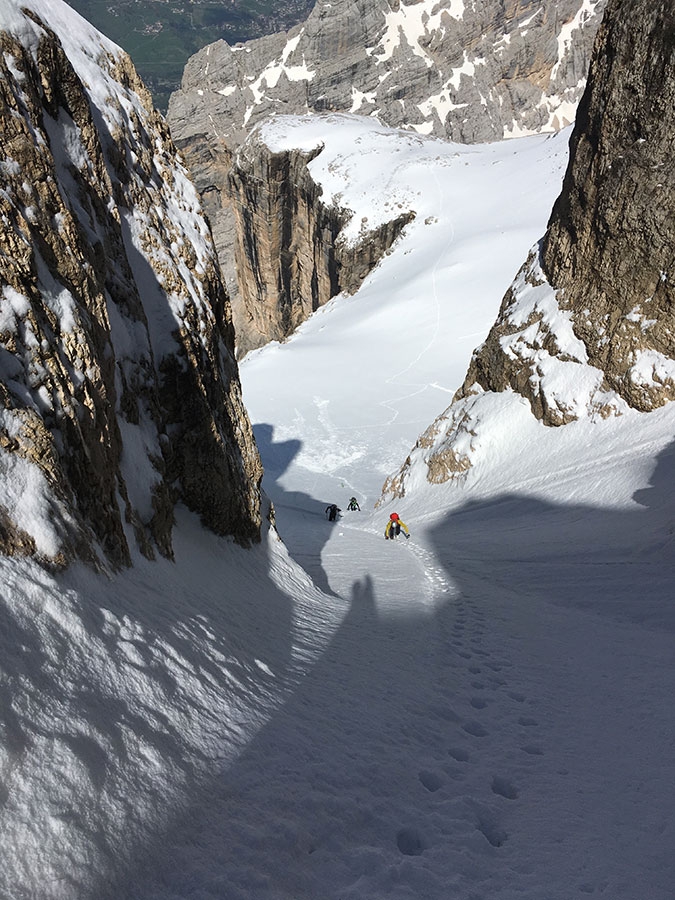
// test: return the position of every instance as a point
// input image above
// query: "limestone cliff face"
(609, 245)
(289, 252)
(608, 250)
(588, 326)
(119, 390)
(467, 72)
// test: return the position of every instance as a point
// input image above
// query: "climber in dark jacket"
(332, 511)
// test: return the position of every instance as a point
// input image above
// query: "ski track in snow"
(391, 405)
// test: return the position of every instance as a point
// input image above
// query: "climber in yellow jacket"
(394, 526)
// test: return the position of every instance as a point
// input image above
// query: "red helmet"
(394, 517)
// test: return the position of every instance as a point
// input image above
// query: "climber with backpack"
(353, 505)
(332, 512)
(394, 526)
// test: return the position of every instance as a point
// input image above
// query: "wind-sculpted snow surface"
(122, 699)
(118, 382)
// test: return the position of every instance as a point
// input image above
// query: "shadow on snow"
(385, 720)
(305, 528)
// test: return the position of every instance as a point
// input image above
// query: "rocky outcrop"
(467, 72)
(588, 326)
(609, 246)
(119, 388)
(607, 252)
(290, 251)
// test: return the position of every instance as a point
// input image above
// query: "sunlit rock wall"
(119, 389)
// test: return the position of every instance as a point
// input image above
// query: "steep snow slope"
(525, 629)
(121, 698)
(481, 711)
(416, 320)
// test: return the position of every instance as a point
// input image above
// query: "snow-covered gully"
(463, 732)
(482, 712)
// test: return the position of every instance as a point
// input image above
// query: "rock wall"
(289, 252)
(608, 249)
(119, 390)
(609, 244)
(465, 72)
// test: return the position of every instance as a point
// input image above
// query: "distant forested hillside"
(160, 35)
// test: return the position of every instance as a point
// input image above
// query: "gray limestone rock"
(289, 253)
(588, 326)
(119, 390)
(466, 72)
(609, 245)
(608, 249)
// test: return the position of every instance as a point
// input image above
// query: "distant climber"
(353, 505)
(394, 526)
(333, 511)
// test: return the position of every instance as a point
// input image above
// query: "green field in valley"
(160, 35)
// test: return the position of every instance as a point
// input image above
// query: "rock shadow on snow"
(319, 775)
(320, 782)
(574, 555)
(305, 528)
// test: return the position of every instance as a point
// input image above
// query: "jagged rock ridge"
(468, 72)
(120, 393)
(588, 326)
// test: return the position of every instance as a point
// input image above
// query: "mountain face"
(588, 327)
(609, 245)
(120, 392)
(467, 72)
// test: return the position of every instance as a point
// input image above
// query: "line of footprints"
(483, 674)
